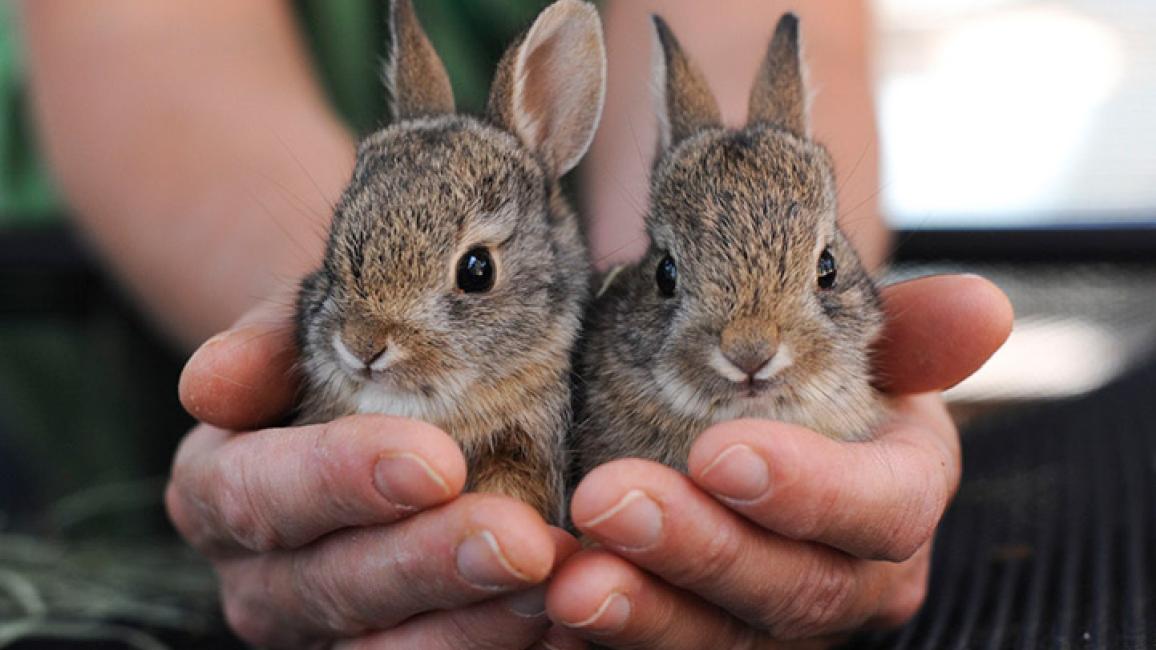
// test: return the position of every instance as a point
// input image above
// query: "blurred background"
(1017, 113)
(1016, 140)
(1016, 137)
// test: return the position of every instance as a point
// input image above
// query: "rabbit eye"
(666, 276)
(826, 269)
(476, 271)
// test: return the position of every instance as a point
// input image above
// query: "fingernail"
(610, 617)
(634, 523)
(482, 563)
(737, 473)
(407, 481)
(528, 604)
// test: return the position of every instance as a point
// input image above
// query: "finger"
(515, 621)
(244, 377)
(565, 544)
(660, 521)
(939, 331)
(282, 488)
(560, 638)
(356, 581)
(493, 624)
(614, 603)
(878, 500)
(906, 590)
(592, 590)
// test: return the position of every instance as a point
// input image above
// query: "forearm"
(194, 145)
(727, 40)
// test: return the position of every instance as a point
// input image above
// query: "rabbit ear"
(779, 96)
(550, 85)
(414, 74)
(683, 100)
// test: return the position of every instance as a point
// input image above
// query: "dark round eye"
(476, 271)
(666, 276)
(826, 269)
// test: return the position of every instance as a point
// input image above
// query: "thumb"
(939, 331)
(244, 377)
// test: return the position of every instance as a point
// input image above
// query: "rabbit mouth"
(402, 381)
(386, 379)
(755, 388)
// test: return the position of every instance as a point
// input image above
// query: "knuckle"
(183, 458)
(178, 513)
(820, 601)
(315, 585)
(246, 621)
(917, 524)
(941, 489)
(740, 636)
(418, 580)
(903, 604)
(715, 561)
(326, 600)
(812, 523)
(914, 513)
(238, 509)
(191, 516)
(331, 456)
(942, 463)
(467, 632)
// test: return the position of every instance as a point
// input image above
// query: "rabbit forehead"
(752, 171)
(428, 190)
(450, 160)
(759, 201)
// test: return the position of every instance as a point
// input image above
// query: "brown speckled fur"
(745, 215)
(492, 369)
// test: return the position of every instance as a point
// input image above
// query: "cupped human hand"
(354, 532)
(779, 536)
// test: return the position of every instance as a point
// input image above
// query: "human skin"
(778, 533)
(838, 537)
(149, 153)
(202, 162)
(217, 136)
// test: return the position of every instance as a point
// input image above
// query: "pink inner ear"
(537, 87)
(559, 82)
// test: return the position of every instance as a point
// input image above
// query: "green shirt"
(26, 194)
(348, 38)
(88, 396)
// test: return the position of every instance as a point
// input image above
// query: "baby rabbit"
(455, 274)
(749, 302)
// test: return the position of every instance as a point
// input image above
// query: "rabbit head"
(453, 260)
(749, 301)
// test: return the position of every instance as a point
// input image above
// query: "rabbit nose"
(357, 354)
(750, 361)
(362, 344)
(749, 345)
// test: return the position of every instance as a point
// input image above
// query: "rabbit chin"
(434, 406)
(762, 407)
(690, 400)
